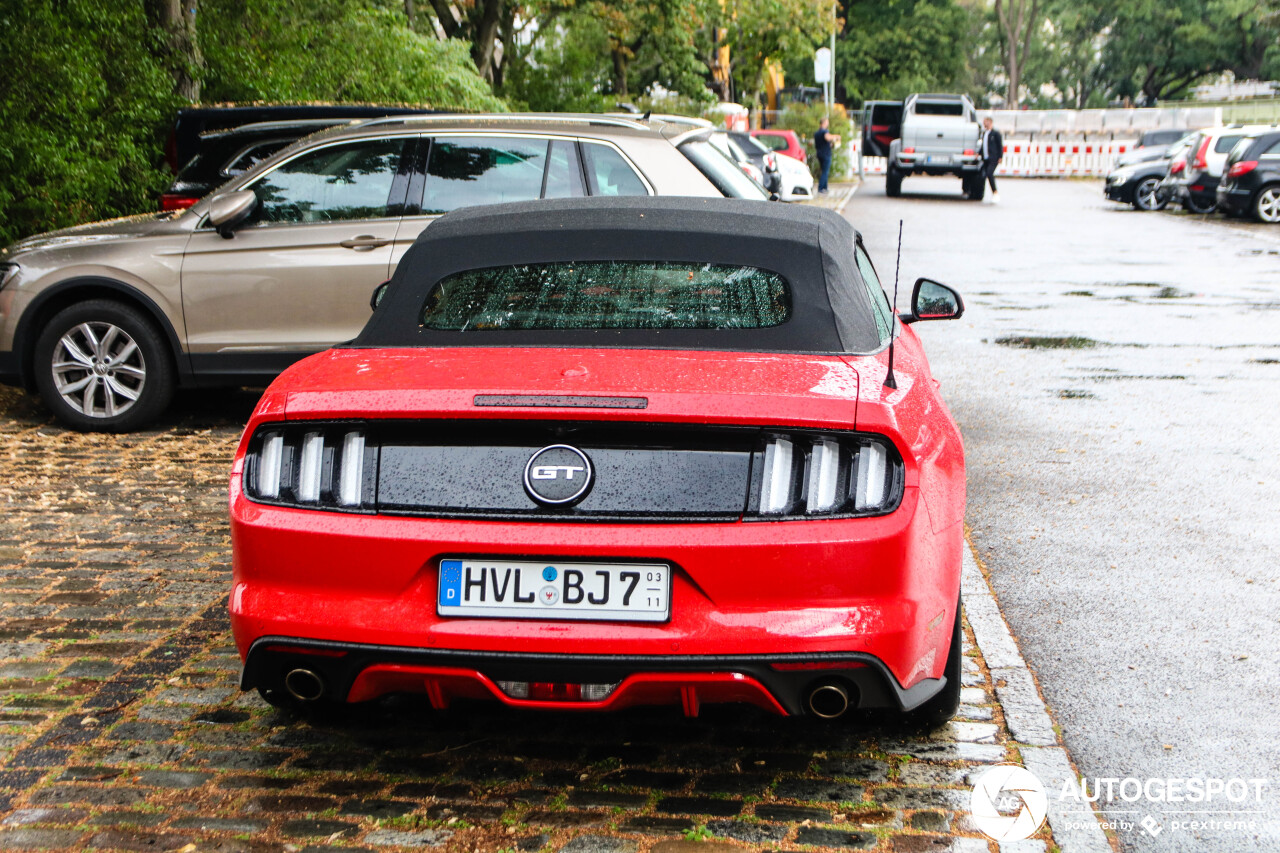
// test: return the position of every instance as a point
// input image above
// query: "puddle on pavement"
(1076, 394)
(1115, 377)
(1044, 342)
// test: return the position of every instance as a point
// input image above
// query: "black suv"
(225, 154)
(1251, 179)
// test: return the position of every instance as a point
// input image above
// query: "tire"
(893, 182)
(103, 366)
(942, 706)
(1147, 195)
(1266, 204)
(1192, 206)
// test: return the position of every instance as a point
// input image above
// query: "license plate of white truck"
(510, 589)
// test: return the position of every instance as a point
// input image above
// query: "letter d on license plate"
(619, 592)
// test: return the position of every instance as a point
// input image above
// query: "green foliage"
(565, 69)
(332, 50)
(88, 99)
(759, 31)
(698, 833)
(1157, 50)
(892, 49)
(86, 108)
(804, 121)
(589, 56)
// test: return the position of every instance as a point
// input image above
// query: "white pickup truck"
(939, 136)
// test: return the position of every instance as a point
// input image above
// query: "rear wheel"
(893, 182)
(103, 366)
(1192, 205)
(943, 706)
(1266, 207)
(1147, 195)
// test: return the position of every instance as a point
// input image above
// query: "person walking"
(823, 142)
(992, 149)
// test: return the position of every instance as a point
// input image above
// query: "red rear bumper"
(879, 591)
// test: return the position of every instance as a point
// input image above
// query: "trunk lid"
(675, 386)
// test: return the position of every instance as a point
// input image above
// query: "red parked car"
(596, 453)
(783, 142)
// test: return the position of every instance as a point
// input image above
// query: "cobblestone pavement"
(122, 727)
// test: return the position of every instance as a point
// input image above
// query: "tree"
(891, 49)
(87, 105)
(758, 31)
(1018, 21)
(175, 21)
(333, 50)
(1068, 52)
(591, 55)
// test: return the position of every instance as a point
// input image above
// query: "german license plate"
(620, 592)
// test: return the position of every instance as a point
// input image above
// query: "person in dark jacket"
(991, 148)
(823, 142)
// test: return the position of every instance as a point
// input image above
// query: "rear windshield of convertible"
(608, 295)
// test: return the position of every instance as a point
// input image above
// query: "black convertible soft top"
(812, 248)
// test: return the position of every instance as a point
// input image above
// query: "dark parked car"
(1139, 184)
(762, 158)
(225, 154)
(1152, 145)
(1196, 186)
(191, 122)
(1251, 183)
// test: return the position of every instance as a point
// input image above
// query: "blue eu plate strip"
(450, 583)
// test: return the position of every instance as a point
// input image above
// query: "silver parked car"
(105, 320)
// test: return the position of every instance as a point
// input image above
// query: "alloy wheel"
(1268, 204)
(1147, 194)
(98, 369)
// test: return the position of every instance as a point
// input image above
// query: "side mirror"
(933, 300)
(230, 209)
(378, 293)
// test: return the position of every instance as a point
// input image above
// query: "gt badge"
(558, 475)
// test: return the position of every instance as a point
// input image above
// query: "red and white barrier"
(1047, 159)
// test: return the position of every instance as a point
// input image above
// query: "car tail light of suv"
(1243, 167)
(1201, 162)
(173, 201)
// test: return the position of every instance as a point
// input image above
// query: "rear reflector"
(169, 201)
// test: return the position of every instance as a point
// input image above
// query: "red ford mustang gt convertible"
(597, 453)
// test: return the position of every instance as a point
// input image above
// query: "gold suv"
(105, 320)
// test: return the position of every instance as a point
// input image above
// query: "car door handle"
(363, 243)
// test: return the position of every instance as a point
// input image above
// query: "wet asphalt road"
(1123, 493)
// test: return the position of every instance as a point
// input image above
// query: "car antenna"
(889, 380)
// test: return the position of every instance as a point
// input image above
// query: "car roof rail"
(693, 133)
(551, 118)
(280, 124)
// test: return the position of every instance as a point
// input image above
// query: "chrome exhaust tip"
(304, 685)
(828, 700)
